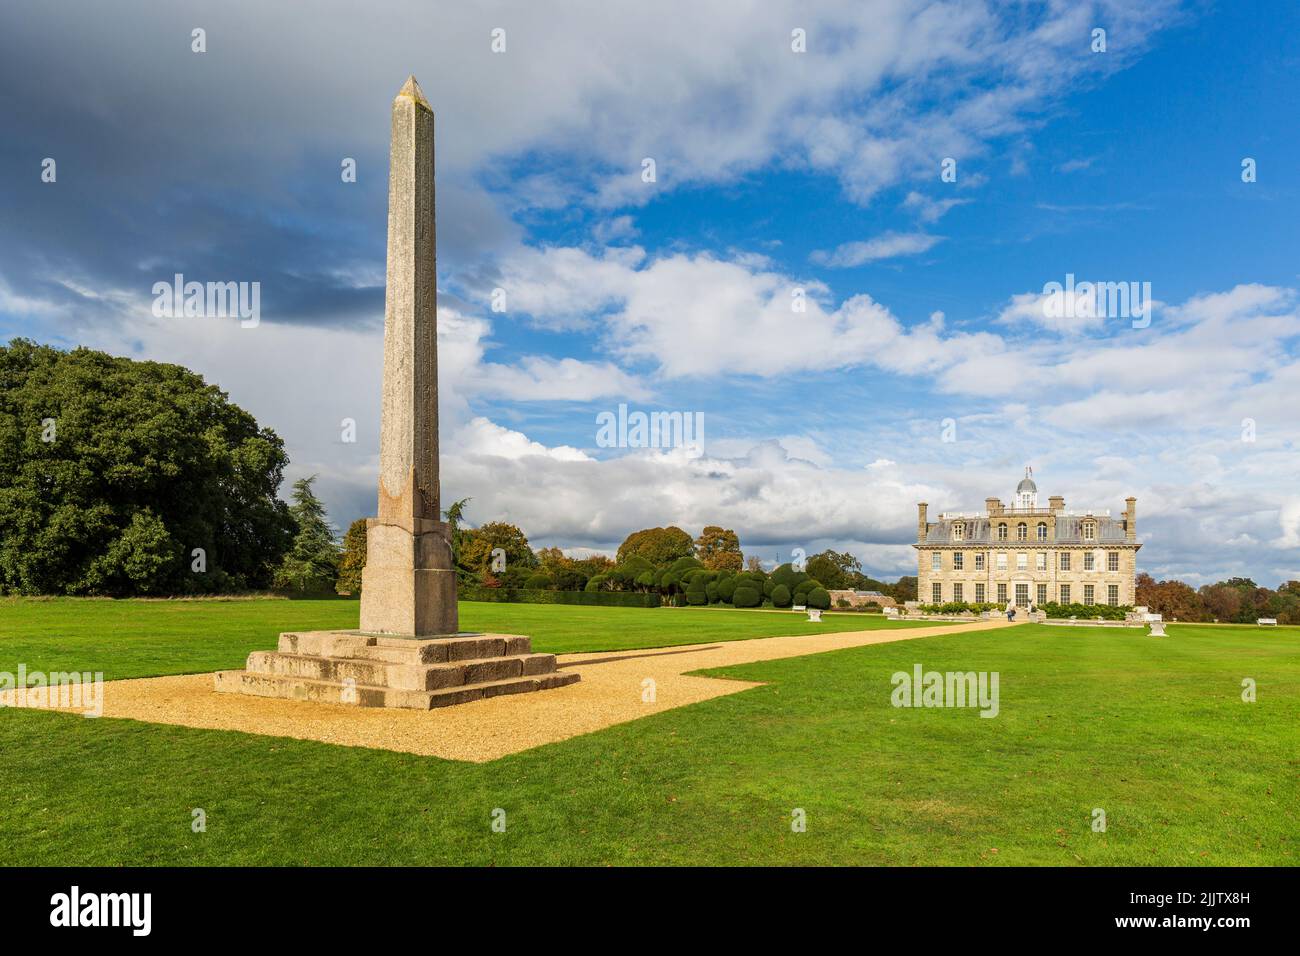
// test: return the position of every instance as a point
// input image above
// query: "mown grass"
(1152, 731)
(152, 638)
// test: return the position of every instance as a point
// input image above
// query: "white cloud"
(931, 210)
(1065, 312)
(615, 229)
(697, 315)
(888, 246)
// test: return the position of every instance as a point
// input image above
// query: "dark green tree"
(837, 571)
(120, 477)
(819, 598)
(312, 564)
(483, 550)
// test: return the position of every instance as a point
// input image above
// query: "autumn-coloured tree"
(719, 549)
(1172, 600)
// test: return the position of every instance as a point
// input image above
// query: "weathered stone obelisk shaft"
(408, 438)
(408, 585)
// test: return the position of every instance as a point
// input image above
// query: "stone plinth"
(373, 670)
(408, 587)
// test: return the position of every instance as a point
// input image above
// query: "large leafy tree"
(312, 564)
(835, 570)
(120, 477)
(478, 545)
(565, 571)
(719, 549)
(657, 545)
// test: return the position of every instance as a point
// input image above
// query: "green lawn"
(1152, 731)
(152, 638)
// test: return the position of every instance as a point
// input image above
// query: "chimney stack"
(922, 526)
(993, 505)
(1130, 518)
(1056, 503)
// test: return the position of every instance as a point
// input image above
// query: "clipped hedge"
(533, 596)
(746, 596)
(1086, 612)
(780, 596)
(959, 607)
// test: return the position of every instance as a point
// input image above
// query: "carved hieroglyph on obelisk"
(408, 586)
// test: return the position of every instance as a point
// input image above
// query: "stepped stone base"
(375, 670)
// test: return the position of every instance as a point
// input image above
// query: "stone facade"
(1027, 553)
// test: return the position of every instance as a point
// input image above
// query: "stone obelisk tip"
(411, 90)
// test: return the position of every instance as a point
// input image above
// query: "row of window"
(959, 593)
(1088, 529)
(1022, 561)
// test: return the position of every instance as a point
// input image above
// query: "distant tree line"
(123, 478)
(1234, 601)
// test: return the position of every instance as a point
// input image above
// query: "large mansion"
(1027, 553)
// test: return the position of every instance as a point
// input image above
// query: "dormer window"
(1089, 531)
(958, 531)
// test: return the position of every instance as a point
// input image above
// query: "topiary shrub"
(682, 565)
(711, 589)
(780, 596)
(727, 588)
(820, 598)
(746, 595)
(539, 582)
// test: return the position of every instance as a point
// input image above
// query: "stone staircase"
(369, 670)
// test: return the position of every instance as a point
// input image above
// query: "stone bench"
(1267, 622)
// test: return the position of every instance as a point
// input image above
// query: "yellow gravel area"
(615, 688)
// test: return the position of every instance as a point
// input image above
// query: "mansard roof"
(1069, 529)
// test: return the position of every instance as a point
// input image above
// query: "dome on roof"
(1027, 485)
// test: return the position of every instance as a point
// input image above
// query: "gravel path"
(611, 692)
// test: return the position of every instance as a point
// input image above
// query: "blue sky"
(776, 171)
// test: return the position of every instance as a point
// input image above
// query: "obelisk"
(408, 586)
(408, 652)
